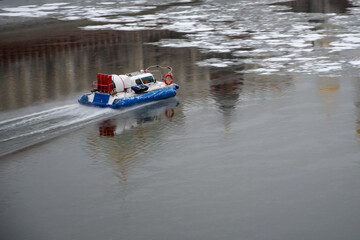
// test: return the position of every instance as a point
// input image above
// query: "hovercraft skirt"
(145, 98)
(101, 100)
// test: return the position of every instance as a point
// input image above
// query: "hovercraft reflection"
(139, 119)
(118, 91)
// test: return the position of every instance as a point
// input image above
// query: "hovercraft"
(118, 91)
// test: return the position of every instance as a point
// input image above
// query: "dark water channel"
(262, 140)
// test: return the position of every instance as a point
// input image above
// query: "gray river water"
(261, 142)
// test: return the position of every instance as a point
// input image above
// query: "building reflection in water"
(328, 88)
(318, 6)
(123, 138)
(226, 87)
(43, 69)
(229, 89)
(357, 108)
(326, 29)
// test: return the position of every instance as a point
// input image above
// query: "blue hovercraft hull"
(101, 100)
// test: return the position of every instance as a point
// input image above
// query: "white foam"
(328, 69)
(215, 62)
(279, 59)
(107, 3)
(355, 62)
(119, 27)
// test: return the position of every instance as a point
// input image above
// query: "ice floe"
(268, 38)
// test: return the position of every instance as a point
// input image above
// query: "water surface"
(261, 141)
